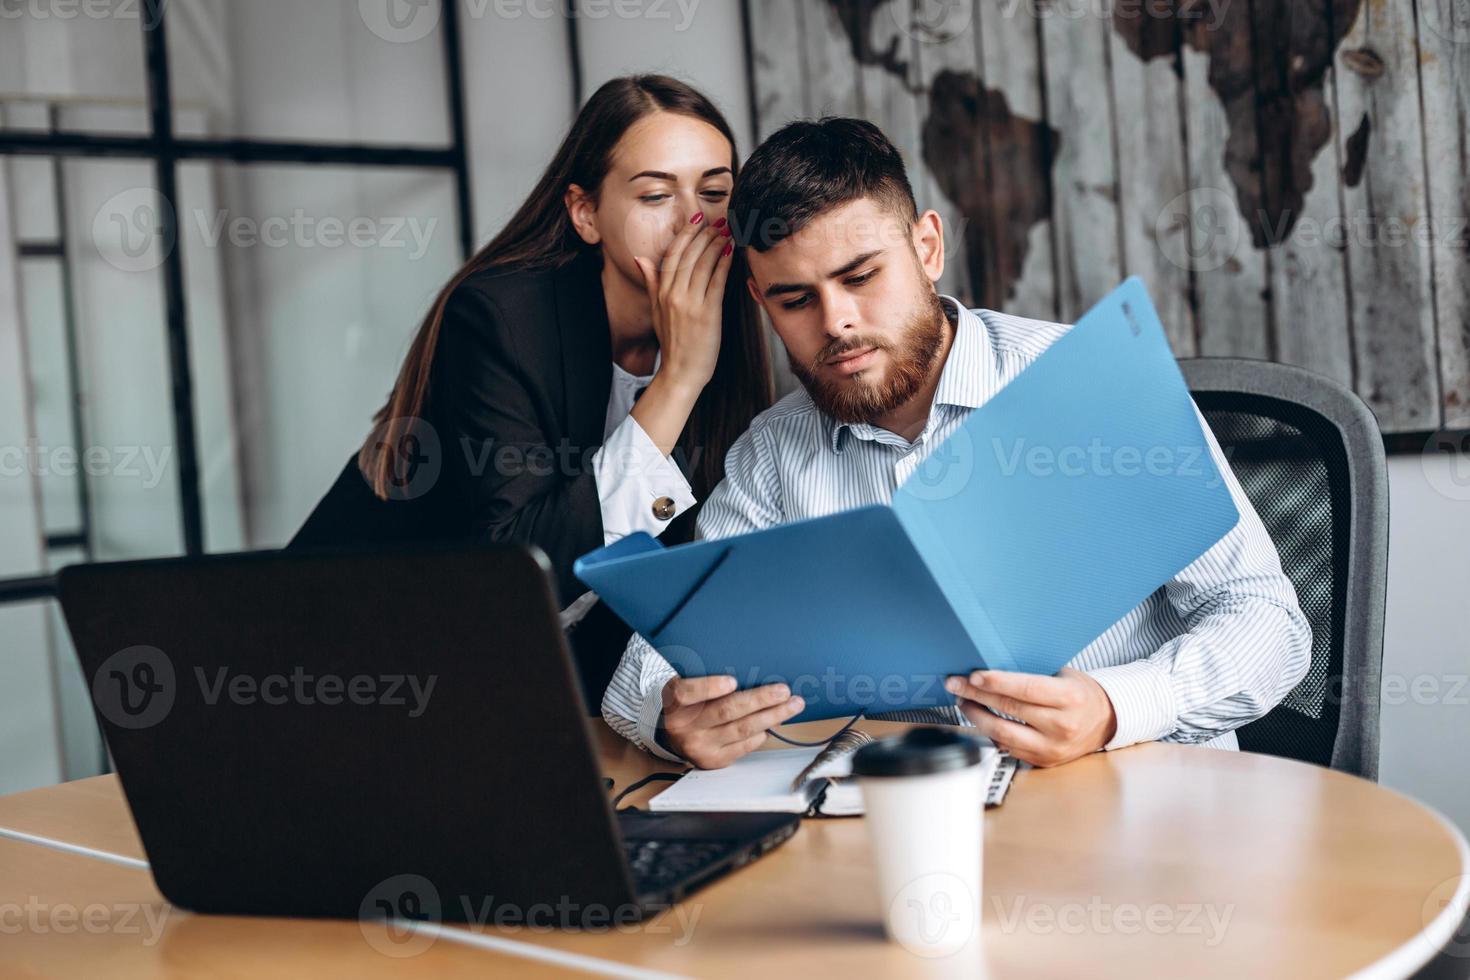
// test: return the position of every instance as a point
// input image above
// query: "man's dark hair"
(808, 168)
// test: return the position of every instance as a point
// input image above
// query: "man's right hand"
(711, 724)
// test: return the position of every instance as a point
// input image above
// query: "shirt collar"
(629, 378)
(968, 377)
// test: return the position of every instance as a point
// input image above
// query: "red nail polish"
(726, 232)
(719, 222)
(698, 217)
(729, 247)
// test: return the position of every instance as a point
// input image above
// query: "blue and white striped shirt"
(1217, 646)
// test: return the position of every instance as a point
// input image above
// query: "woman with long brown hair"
(583, 375)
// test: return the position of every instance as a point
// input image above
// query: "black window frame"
(166, 150)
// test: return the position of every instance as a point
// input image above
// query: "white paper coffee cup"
(924, 800)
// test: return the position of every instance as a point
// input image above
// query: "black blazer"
(517, 403)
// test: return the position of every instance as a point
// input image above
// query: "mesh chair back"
(1309, 455)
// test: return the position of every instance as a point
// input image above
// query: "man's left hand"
(1066, 716)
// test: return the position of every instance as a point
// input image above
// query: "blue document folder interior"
(1072, 494)
(1057, 507)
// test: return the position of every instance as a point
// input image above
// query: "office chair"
(1309, 455)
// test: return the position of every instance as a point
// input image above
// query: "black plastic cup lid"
(919, 752)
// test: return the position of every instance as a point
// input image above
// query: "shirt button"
(663, 508)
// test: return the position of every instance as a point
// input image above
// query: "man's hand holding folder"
(1060, 718)
(710, 723)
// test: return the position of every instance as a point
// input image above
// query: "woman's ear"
(582, 209)
(929, 244)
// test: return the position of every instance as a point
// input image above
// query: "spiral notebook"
(814, 781)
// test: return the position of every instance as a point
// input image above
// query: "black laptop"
(373, 734)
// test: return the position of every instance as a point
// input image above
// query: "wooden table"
(1157, 860)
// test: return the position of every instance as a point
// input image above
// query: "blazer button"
(663, 508)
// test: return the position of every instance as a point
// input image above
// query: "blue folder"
(1057, 507)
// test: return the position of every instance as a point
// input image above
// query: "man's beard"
(911, 358)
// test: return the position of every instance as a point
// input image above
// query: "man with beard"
(845, 266)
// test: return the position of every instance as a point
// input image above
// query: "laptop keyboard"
(661, 864)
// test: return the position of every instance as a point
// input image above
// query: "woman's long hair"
(541, 236)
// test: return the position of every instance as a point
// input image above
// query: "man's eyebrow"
(837, 273)
(665, 175)
(782, 288)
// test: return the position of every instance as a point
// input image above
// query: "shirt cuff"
(640, 488)
(649, 716)
(1143, 702)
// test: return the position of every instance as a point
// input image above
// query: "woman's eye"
(716, 195)
(654, 198)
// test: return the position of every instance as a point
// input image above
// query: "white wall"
(1426, 646)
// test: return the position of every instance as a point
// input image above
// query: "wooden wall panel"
(988, 158)
(782, 94)
(1084, 175)
(1266, 167)
(1444, 39)
(888, 80)
(1147, 97)
(777, 60)
(831, 72)
(1229, 274)
(1389, 275)
(1011, 65)
(1294, 45)
(945, 42)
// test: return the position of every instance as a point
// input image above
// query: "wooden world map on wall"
(1288, 176)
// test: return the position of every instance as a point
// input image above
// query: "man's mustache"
(845, 345)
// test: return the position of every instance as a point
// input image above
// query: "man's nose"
(840, 314)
